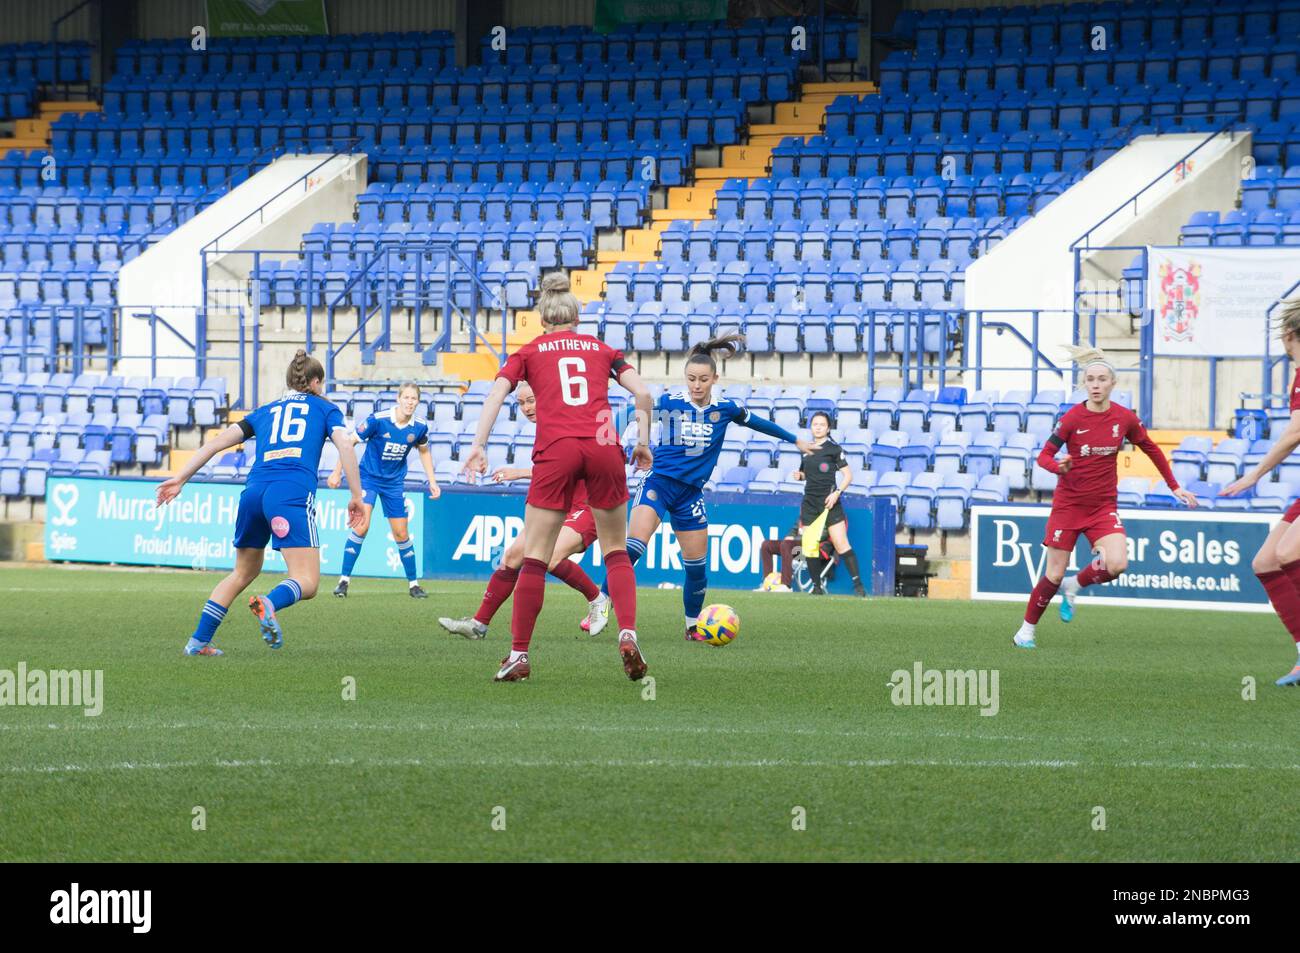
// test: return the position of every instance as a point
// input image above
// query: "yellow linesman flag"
(812, 535)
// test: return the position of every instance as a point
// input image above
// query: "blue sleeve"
(764, 426)
(256, 419)
(333, 419)
(422, 436)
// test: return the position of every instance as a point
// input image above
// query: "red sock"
(621, 580)
(1092, 574)
(530, 590)
(1284, 596)
(570, 573)
(1039, 599)
(498, 591)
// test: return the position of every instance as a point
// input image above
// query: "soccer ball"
(718, 624)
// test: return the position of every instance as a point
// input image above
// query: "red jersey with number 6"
(1295, 391)
(570, 373)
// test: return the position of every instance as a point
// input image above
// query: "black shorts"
(811, 509)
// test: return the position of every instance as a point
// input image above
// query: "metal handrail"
(1132, 200)
(421, 249)
(261, 159)
(354, 141)
(54, 42)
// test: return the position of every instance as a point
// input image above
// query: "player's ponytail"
(1288, 317)
(1085, 355)
(303, 369)
(702, 353)
(556, 304)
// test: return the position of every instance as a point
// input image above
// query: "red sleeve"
(513, 369)
(617, 363)
(1058, 439)
(1138, 436)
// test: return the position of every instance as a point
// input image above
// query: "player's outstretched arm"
(508, 474)
(476, 462)
(632, 383)
(232, 436)
(348, 459)
(426, 462)
(1047, 457)
(847, 472)
(771, 428)
(1286, 443)
(1142, 440)
(335, 479)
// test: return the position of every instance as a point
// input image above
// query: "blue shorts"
(683, 503)
(280, 513)
(389, 494)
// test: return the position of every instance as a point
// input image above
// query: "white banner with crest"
(1212, 302)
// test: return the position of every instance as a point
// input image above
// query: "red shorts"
(1292, 513)
(583, 523)
(563, 464)
(1065, 525)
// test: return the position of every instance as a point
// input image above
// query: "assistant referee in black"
(822, 491)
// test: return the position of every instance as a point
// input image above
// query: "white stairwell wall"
(168, 277)
(1033, 268)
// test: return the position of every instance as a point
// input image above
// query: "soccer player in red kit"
(1086, 498)
(576, 536)
(1277, 564)
(576, 441)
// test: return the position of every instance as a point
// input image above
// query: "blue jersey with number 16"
(290, 433)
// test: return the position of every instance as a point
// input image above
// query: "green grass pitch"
(1137, 712)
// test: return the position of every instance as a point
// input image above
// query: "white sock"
(600, 598)
(516, 656)
(1026, 630)
(691, 622)
(345, 578)
(412, 583)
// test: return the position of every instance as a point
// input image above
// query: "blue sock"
(696, 587)
(209, 619)
(284, 595)
(407, 551)
(350, 553)
(635, 550)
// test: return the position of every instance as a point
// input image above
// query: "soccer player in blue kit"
(389, 437)
(278, 504)
(693, 427)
